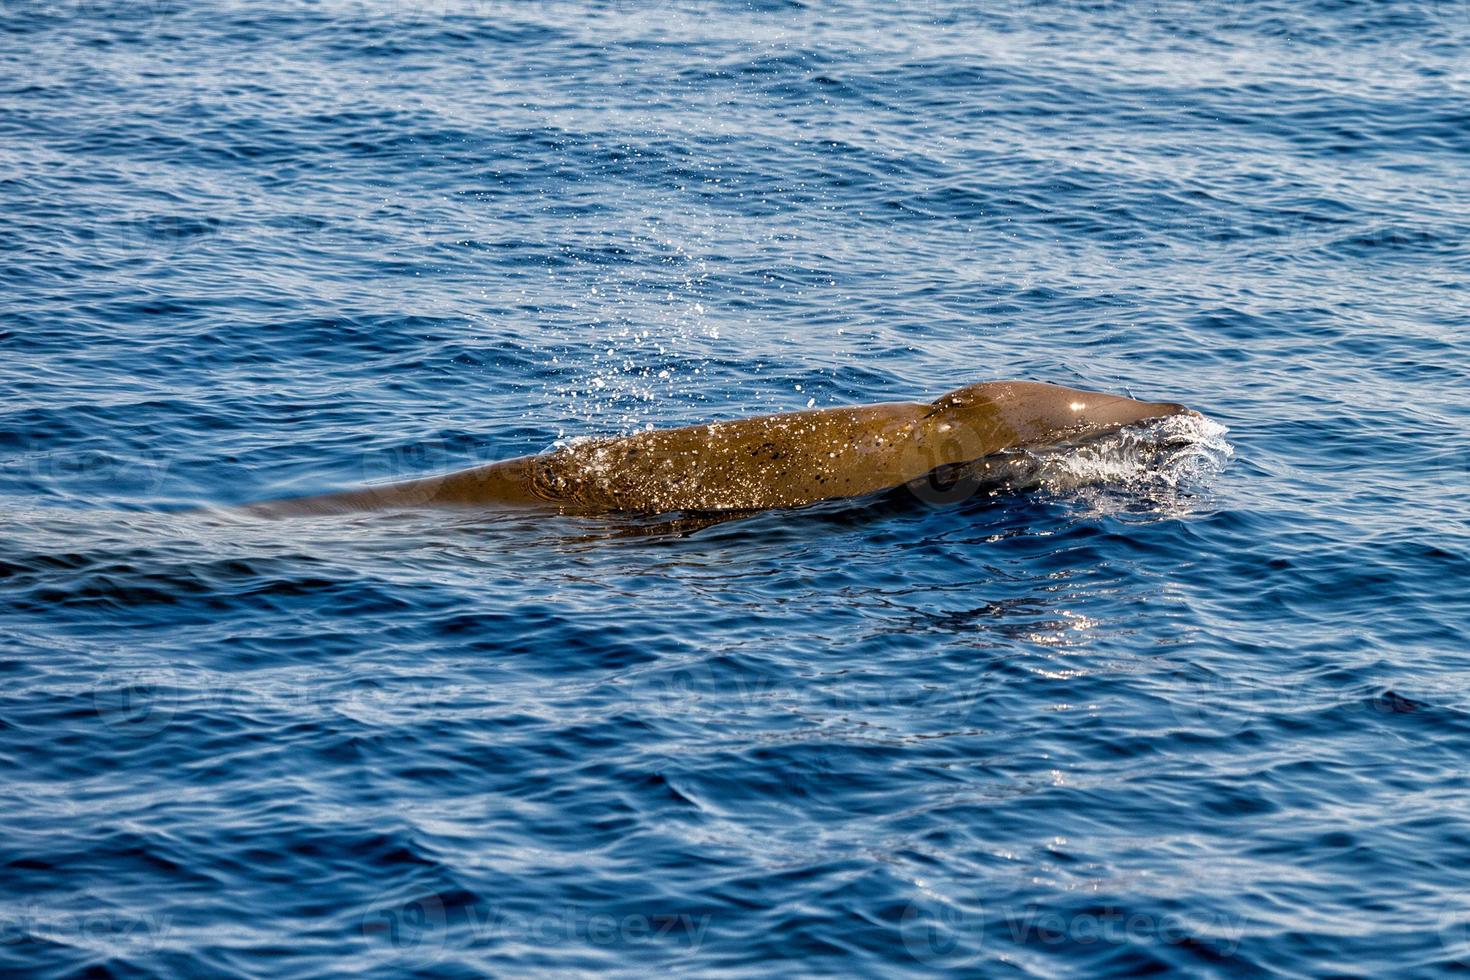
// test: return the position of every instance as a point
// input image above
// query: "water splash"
(1159, 465)
(1170, 453)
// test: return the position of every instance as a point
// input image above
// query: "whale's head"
(1021, 413)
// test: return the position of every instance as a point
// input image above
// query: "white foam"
(1159, 466)
(1166, 453)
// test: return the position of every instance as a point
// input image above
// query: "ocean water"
(1196, 698)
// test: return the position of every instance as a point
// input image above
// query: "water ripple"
(1186, 698)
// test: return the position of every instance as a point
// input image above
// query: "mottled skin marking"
(784, 460)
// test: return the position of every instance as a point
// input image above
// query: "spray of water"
(1158, 465)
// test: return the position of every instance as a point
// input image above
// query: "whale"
(763, 462)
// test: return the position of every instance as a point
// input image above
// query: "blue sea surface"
(1196, 704)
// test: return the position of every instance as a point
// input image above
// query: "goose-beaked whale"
(759, 463)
